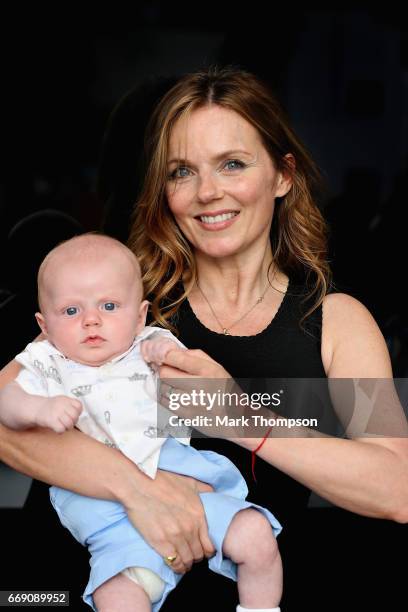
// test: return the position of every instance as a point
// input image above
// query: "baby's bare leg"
(251, 544)
(120, 593)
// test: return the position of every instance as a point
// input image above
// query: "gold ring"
(170, 559)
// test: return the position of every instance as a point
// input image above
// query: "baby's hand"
(155, 350)
(58, 413)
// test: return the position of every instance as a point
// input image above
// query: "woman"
(232, 248)
(227, 209)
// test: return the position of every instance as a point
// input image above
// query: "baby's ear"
(41, 322)
(141, 322)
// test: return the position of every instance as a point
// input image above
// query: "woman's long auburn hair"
(298, 233)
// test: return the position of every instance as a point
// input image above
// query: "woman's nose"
(209, 188)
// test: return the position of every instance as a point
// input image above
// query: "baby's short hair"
(86, 245)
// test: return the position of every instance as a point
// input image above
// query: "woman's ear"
(285, 180)
(41, 322)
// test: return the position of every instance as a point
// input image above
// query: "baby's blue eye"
(72, 310)
(109, 306)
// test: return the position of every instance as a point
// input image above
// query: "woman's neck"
(235, 280)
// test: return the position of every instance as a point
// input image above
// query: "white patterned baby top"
(119, 398)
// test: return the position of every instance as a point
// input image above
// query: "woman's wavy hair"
(298, 232)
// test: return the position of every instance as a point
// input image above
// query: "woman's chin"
(219, 249)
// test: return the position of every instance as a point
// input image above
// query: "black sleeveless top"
(284, 349)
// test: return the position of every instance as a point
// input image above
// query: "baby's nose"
(92, 317)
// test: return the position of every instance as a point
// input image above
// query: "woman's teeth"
(218, 218)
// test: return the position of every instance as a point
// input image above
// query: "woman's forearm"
(167, 510)
(361, 476)
(73, 461)
(9, 373)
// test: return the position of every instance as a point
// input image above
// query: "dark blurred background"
(342, 76)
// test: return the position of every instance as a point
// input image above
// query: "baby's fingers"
(144, 350)
(75, 407)
(63, 422)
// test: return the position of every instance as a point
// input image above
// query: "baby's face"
(91, 309)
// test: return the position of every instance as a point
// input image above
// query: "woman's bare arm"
(365, 475)
(368, 476)
(9, 373)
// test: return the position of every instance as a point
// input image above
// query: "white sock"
(242, 609)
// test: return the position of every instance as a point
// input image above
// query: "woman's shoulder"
(352, 343)
(341, 310)
(335, 304)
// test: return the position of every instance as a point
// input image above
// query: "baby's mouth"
(94, 339)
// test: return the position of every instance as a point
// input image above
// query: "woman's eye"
(180, 172)
(234, 164)
(109, 306)
(72, 310)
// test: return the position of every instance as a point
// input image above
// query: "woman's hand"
(171, 519)
(203, 395)
(194, 363)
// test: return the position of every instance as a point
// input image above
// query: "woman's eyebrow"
(218, 157)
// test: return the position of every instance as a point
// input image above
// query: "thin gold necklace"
(226, 330)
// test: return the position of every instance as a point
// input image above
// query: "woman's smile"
(217, 220)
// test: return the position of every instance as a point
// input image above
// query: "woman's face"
(222, 183)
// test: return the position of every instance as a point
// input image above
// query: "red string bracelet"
(257, 449)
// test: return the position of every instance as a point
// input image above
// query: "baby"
(92, 372)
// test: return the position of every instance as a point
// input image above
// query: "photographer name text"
(242, 421)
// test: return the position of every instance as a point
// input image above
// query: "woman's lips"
(217, 221)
